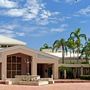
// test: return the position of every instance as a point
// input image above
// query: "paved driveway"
(58, 86)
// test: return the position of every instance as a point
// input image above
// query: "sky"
(43, 21)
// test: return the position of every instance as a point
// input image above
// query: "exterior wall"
(35, 61)
(4, 66)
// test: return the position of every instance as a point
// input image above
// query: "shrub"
(85, 63)
(85, 77)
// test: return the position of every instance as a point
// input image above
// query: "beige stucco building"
(17, 59)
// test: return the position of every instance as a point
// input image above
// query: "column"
(81, 70)
(33, 67)
(65, 74)
(74, 73)
(4, 67)
(55, 71)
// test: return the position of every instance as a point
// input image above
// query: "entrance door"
(44, 70)
(49, 72)
(40, 70)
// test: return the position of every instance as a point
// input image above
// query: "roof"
(39, 53)
(59, 54)
(10, 41)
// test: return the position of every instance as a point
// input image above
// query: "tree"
(45, 46)
(71, 45)
(77, 37)
(60, 44)
(86, 51)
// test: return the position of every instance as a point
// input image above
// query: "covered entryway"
(18, 64)
(44, 70)
(0, 71)
(73, 71)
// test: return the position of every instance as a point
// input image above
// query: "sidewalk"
(56, 86)
(71, 81)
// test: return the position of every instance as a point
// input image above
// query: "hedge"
(85, 77)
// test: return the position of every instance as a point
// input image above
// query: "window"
(3, 46)
(13, 66)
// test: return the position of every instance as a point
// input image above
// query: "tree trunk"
(70, 55)
(78, 55)
(62, 54)
(73, 54)
(86, 58)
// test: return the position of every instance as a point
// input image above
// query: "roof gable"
(39, 53)
(10, 41)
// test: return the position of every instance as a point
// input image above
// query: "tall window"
(13, 66)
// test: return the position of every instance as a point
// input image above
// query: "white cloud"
(40, 21)
(32, 9)
(47, 17)
(58, 29)
(9, 30)
(64, 25)
(67, 1)
(62, 28)
(20, 33)
(72, 1)
(45, 14)
(8, 26)
(8, 4)
(15, 12)
(64, 18)
(84, 11)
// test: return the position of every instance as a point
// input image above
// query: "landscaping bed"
(85, 77)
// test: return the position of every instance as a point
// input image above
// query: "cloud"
(47, 17)
(62, 28)
(84, 11)
(9, 30)
(8, 26)
(67, 1)
(31, 10)
(15, 12)
(72, 1)
(8, 4)
(58, 30)
(20, 33)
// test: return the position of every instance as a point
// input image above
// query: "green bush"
(85, 63)
(85, 77)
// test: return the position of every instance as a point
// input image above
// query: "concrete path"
(57, 86)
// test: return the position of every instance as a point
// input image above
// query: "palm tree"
(77, 36)
(60, 44)
(45, 46)
(71, 45)
(86, 51)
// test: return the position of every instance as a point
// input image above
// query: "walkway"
(57, 86)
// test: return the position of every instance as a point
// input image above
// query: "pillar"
(4, 67)
(33, 67)
(74, 73)
(65, 74)
(81, 70)
(55, 71)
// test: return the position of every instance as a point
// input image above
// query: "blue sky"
(43, 21)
